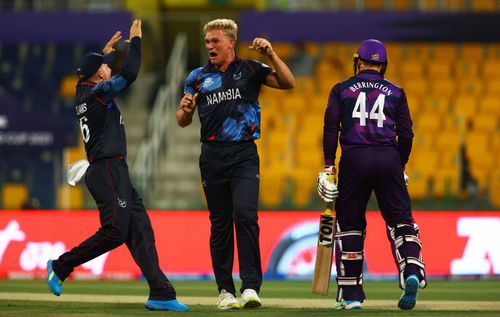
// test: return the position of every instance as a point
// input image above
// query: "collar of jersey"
(87, 83)
(370, 73)
(210, 68)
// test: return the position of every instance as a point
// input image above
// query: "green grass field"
(96, 298)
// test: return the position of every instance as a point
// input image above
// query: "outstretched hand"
(109, 46)
(262, 46)
(135, 30)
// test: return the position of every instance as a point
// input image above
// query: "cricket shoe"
(170, 305)
(53, 281)
(227, 301)
(250, 299)
(409, 297)
(348, 304)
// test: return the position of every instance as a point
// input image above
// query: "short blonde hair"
(229, 27)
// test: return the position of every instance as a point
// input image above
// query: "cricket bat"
(324, 252)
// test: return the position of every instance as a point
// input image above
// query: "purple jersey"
(367, 110)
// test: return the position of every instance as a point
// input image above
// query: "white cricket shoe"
(348, 304)
(227, 300)
(250, 299)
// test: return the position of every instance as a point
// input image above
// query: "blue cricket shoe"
(53, 281)
(170, 305)
(409, 297)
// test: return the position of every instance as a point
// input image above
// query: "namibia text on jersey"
(217, 97)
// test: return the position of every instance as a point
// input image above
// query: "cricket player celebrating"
(121, 211)
(226, 92)
(373, 119)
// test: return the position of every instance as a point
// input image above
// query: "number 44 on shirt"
(377, 112)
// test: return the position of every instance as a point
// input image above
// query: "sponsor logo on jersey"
(218, 97)
(237, 76)
(122, 203)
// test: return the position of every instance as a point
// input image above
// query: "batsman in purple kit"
(376, 136)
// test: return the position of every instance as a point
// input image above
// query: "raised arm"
(281, 77)
(108, 89)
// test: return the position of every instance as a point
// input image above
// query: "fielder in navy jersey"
(122, 214)
(225, 92)
(372, 117)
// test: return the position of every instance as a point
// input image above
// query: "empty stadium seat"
(304, 184)
(485, 122)
(418, 187)
(468, 68)
(490, 69)
(423, 140)
(428, 122)
(444, 51)
(437, 105)
(272, 185)
(493, 87)
(439, 70)
(489, 105)
(67, 86)
(415, 87)
(465, 106)
(415, 52)
(411, 70)
(70, 197)
(14, 195)
(442, 87)
(424, 161)
(449, 141)
(446, 183)
(471, 86)
(472, 51)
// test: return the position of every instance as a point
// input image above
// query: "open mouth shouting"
(212, 55)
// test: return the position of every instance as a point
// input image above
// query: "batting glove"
(407, 178)
(327, 190)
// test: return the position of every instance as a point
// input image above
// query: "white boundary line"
(271, 302)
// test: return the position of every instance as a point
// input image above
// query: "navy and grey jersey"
(227, 102)
(367, 110)
(99, 117)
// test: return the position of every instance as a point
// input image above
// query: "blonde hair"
(229, 27)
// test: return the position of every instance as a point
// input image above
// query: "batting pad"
(76, 171)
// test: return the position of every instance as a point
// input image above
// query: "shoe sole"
(157, 308)
(409, 298)
(353, 306)
(251, 304)
(235, 306)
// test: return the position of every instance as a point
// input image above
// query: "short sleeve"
(190, 84)
(260, 70)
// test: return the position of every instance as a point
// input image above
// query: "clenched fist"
(262, 46)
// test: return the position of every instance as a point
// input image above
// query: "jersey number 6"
(377, 112)
(85, 129)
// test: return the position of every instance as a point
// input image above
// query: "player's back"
(100, 122)
(369, 108)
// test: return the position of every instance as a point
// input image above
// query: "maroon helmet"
(372, 51)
